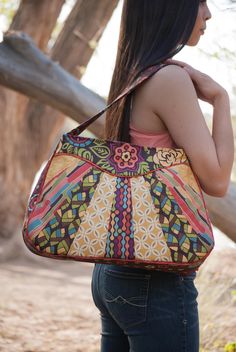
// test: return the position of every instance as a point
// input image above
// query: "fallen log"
(25, 69)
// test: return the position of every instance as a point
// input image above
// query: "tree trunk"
(37, 19)
(17, 164)
(81, 33)
(29, 128)
(72, 52)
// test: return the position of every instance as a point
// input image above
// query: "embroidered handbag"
(114, 202)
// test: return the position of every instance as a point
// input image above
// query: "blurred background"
(46, 305)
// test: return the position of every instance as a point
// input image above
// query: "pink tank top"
(162, 139)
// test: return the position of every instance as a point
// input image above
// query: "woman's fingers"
(206, 88)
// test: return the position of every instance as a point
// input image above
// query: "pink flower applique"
(126, 156)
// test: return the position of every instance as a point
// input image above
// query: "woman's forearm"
(222, 134)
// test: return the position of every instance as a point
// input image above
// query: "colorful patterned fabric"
(114, 202)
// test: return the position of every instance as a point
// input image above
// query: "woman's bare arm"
(222, 134)
(174, 94)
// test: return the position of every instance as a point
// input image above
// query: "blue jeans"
(145, 311)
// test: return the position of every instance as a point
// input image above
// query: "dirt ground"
(46, 305)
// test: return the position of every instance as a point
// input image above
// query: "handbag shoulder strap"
(150, 71)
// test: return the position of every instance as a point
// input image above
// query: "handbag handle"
(150, 71)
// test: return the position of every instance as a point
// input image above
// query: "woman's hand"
(206, 88)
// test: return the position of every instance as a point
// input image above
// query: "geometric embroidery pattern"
(90, 238)
(58, 233)
(118, 158)
(120, 237)
(148, 236)
(119, 203)
(185, 243)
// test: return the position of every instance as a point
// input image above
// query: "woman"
(150, 311)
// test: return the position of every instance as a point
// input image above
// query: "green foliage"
(230, 347)
(7, 10)
(224, 54)
(233, 294)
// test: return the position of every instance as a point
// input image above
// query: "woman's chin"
(193, 42)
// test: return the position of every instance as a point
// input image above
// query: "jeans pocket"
(126, 295)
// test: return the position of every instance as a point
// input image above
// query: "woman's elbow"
(217, 189)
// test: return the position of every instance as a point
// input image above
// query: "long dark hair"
(151, 31)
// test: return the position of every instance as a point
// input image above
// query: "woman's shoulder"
(170, 81)
(169, 75)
